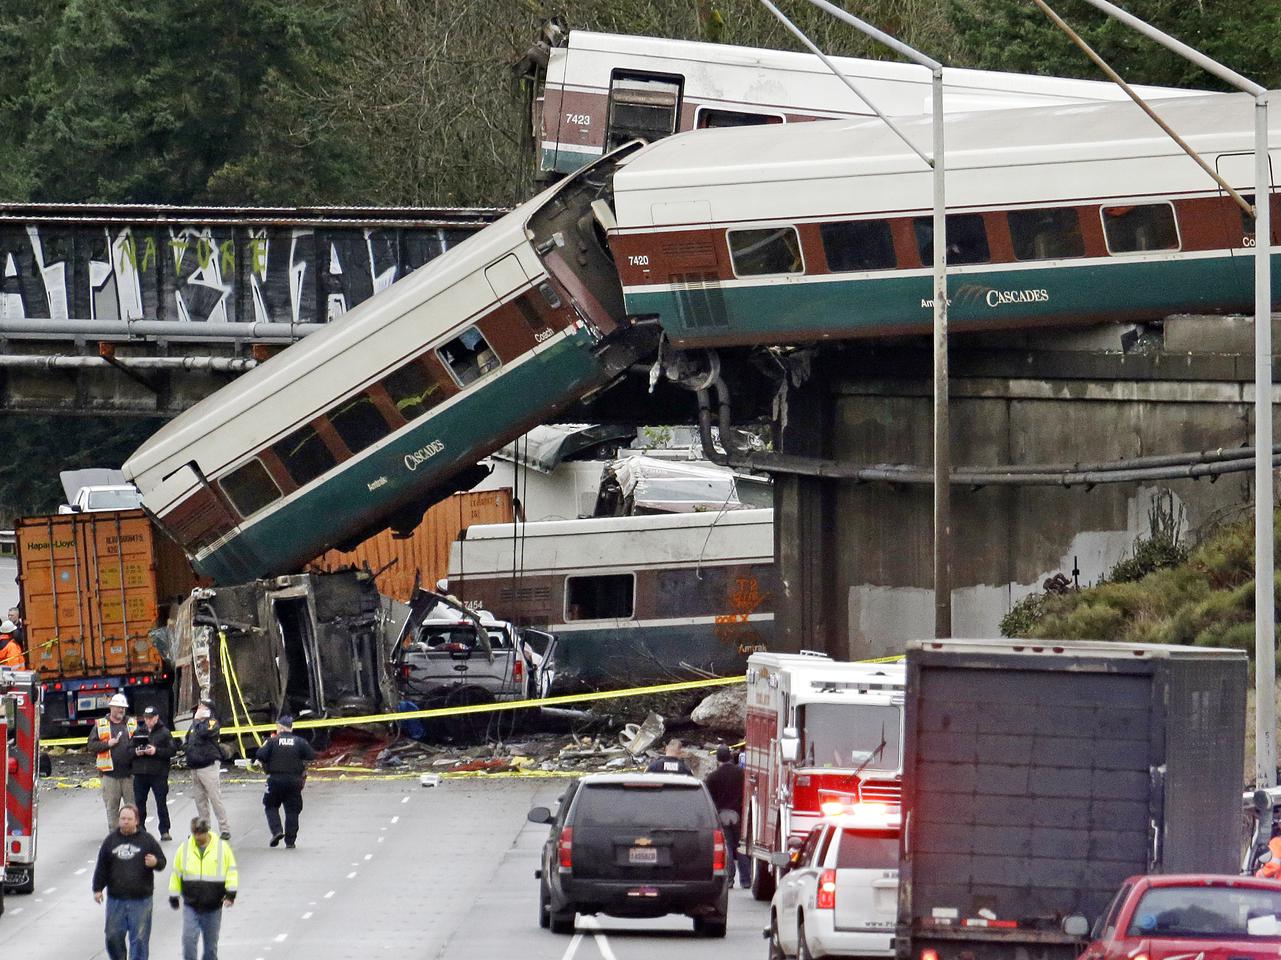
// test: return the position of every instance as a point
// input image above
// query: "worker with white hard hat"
(112, 740)
(11, 654)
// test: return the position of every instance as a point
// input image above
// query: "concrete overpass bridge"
(132, 309)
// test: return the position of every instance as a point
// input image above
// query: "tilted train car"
(367, 423)
(824, 230)
(601, 90)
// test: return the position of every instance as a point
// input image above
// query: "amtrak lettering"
(999, 298)
(420, 456)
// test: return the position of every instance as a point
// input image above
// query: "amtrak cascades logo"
(420, 456)
(999, 298)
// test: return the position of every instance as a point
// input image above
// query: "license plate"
(91, 703)
(642, 855)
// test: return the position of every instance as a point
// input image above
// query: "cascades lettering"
(420, 456)
(999, 298)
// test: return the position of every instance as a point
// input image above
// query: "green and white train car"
(823, 230)
(367, 423)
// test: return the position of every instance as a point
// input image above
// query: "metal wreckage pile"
(329, 646)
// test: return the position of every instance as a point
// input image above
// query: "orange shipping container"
(93, 585)
(426, 552)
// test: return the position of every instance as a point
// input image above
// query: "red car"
(1190, 917)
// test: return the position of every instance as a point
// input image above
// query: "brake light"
(565, 848)
(13, 766)
(826, 899)
(930, 954)
(518, 671)
(718, 852)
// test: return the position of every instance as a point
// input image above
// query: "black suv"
(634, 845)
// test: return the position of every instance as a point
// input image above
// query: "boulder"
(723, 710)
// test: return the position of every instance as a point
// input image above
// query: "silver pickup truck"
(448, 655)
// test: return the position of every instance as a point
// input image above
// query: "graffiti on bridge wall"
(205, 273)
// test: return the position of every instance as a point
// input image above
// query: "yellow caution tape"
(436, 712)
(393, 717)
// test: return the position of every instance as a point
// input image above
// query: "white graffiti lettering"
(420, 456)
(999, 298)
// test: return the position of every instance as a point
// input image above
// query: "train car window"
(359, 422)
(413, 390)
(529, 313)
(608, 597)
(642, 106)
(468, 356)
(759, 253)
(1049, 234)
(1139, 227)
(304, 455)
(1247, 220)
(966, 239)
(250, 488)
(705, 119)
(858, 245)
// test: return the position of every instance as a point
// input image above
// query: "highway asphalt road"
(382, 868)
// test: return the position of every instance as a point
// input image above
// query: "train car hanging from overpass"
(367, 423)
(824, 230)
(600, 90)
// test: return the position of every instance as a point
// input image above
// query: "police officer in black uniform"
(284, 756)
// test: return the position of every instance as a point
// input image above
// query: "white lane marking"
(602, 944)
(381, 839)
(280, 937)
(51, 890)
(307, 915)
(382, 828)
(330, 894)
(405, 798)
(351, 875)
(17, 909)
(395, 819)
(81, 870)
(369, 856)
(573, 947)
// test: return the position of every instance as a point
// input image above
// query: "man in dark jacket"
(725, 784)
(205, 876)
(671, 761)
(284, 756)
(128, 862)
(204, 760)
(153, 748)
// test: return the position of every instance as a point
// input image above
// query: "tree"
(1005, 35)
(165, 102)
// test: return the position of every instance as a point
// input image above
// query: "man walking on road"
(154, 747)
(284, 756)
(128, 862)
(671, 760)
(725, 784)
(204, 760)
(112, 740)
(205, 877)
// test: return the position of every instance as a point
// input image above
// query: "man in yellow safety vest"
(205, 877)
(111, 739)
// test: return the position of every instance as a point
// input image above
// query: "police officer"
(284, 756)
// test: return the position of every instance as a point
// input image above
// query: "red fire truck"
(20, 700)
(820, 732)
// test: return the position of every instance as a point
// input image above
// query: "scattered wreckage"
(320, 645)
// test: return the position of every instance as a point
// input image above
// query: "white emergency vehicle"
(819, 732)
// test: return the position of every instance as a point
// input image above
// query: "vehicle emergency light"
(826, 899)
(718, 852)
(565, 848)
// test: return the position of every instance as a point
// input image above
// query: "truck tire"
(561, 921)
(776, 951)
(26, 886)
(802, 947)
(712, 926)
(762, 880)
(544, 906)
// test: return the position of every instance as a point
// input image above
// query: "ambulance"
(20, 709)
(823, 737)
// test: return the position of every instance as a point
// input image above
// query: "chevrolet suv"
(633, 845)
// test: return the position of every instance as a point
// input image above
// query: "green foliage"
(999, 35)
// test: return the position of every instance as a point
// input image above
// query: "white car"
(839, 898)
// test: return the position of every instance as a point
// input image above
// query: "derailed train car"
(313, 645)
(367, 423)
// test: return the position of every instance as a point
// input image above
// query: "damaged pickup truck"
(449, 655)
